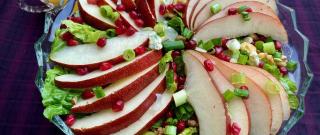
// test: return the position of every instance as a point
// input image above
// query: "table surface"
(20, 106)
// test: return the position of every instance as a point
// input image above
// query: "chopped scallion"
(269, 48)
(98, 91)
(241, 93)
(173, 45)
(170, 130)
(228, 95)
(180, 97)
(215, 8)
(243, 59)
(129, 54)
(291, 65)
(259, 45)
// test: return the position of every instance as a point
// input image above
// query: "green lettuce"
(83, 32)
(177, 24)
(56, 101)
(291, 88)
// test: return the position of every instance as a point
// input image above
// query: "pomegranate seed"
(66, 36)
(120, 30)
(232, 11)
(278, 45)
(82, 71)
(101, 42)
(77, 20)
(70, 119)
(173, 66)
(88, 93)
(224, 43)
(243, 87)
(261, 65)
(72, 42)
(283, 70)
(235, 129)
(139, 22)
(130, 31)
(101, 3)
(249, 10)
(181, 80)
(175, 54)
(170, 7)
(105, 66)
(164, 123)
(93, 2)
(169, 114)
(191, 44)
(179, 7)
(118, 106)
(162, 9)
(63, 26)
(121, 8)
(208, 65)
(181, 125)
(133, 15)
(180, 87)
(226, 58)
(218, 50)
(119, 23)
(140, 50)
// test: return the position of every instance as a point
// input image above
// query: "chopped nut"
(179, 37)
(284, 58)
(270, 58)
(282, 64)
(192, 123)
(160, 131)
(254, 37)
(248, 47)
(262, 55)
(248, 40)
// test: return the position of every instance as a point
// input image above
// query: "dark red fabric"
(20, 102)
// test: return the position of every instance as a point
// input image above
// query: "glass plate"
(297, 49)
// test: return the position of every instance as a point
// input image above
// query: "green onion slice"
(129, 54)
(98, 91)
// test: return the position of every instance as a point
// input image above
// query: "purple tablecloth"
(20, 106)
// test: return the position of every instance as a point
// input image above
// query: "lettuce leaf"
(83, 32)
(56, 101)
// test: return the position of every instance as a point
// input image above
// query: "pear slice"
(201, 4)
(254, 5)
(117, 72)
(206, 100)
(205, 12)
(107, 121)
(258, 103)
(234, 26)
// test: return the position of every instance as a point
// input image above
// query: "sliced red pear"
(236, 107)
(234, 26)
(152, 115)
(129, 4)
(146, 13)
(124, 15)
(258, 103)
(123, 89)
(107, 121)
(188, 11)
(261, 80)
(207, 102)
(91, 56)
(117, 72)
(254, 5)
(200, 5)
(282, 92)
(91, 15)
(155, 8)
(205, 12)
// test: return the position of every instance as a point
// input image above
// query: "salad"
(172, 67)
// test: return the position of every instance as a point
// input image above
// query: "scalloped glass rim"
(303, 76)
